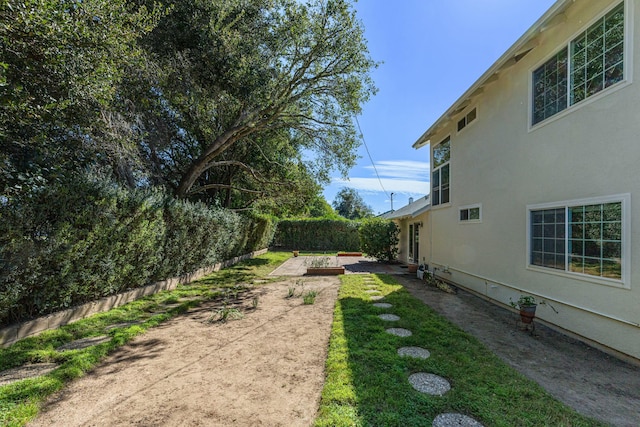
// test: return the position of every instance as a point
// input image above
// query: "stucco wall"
(590, 150)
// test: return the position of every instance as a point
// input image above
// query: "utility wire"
(370, 158)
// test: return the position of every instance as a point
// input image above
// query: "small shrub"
(225, 314)
(291, 292)
(255, 301)
(309, 297)
(379, 238)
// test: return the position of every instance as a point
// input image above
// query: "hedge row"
(317, 235)
(74, 243)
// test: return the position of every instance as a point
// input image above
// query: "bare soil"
(266, 369)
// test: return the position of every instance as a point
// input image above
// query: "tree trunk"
(199, 165)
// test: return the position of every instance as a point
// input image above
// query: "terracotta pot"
(527, 313)
(412, 268)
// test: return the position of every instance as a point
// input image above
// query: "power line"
(369, 154)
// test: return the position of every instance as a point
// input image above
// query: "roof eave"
(520, 48)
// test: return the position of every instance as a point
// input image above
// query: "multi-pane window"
(583, 238)
(597, 56)
(550, 87)
(441, 172)
(466, 119)
(593, 61)
(548, 238)
(595, 240)
(470, 213)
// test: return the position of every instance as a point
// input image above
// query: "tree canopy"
(238, 103)
(349, 204)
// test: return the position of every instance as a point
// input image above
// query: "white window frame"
(627, 68)
(625, 200)
(468, 208)
(439, 169)
(465, 118)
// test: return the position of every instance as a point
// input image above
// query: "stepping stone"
(27, 371)
(389, 317)
(455, 420)
(84, 343)
(429, 383)
(382, 305)
(372, 291)
(376, 297)
(417, 352)
(399, 332)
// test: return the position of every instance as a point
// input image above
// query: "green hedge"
(74, 243)
(317, 235)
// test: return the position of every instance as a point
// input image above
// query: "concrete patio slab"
(297, 266)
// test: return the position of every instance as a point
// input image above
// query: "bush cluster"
(317, 235)
(379, 238)
(72, 243)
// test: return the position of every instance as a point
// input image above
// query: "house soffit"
(525, 44)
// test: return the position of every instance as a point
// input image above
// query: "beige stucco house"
(413, 246)
(535, 175)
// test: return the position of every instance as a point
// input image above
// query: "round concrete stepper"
(429, 383)
(399, 332)
(455, 420)
(372, 291)
(389, 317)
(417, 352)
(382, 305)
(376, 297)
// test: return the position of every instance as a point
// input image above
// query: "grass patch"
(19, 401)
(367, 382)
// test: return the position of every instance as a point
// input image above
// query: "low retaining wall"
(18, 331)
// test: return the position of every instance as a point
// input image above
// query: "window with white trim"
(466, 119)
(592, 62)
(584, 237)
(441, 155)
(471, 213)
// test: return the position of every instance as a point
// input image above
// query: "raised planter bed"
(324, 271)
(349, 253)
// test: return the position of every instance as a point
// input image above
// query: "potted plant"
(296, 253)
(527, 306)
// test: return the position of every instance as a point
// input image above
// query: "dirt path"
(266, 369)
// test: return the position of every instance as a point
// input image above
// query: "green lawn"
(19, 402)
(367, 382)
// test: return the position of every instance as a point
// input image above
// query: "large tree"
(251, 70)
(61, 62)
(349, 204)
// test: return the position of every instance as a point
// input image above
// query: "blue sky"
(432, 52)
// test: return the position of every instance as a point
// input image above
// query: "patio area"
(297, 266)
